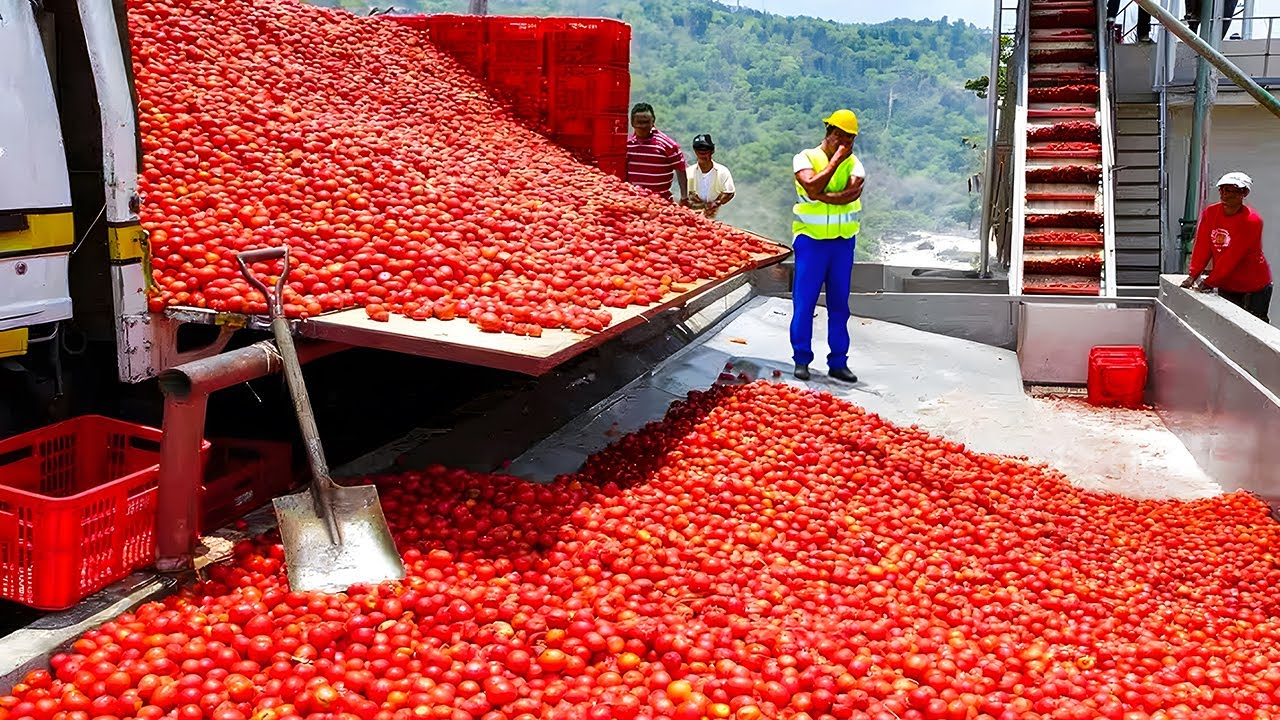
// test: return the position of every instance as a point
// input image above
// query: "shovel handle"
(245, 259)
(321, 482)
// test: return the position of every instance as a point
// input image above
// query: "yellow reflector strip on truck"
(13, 342)
(44, 232)
(128, 242)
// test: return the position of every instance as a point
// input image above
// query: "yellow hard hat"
(845, 120)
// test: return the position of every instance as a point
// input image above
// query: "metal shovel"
(334, 536)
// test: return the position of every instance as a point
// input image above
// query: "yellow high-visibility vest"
(823, 221)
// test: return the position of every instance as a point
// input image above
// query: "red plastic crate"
(599, 127)
(242, 476)
(1117, 375)
(465, 37)
(615, 165)
(521, 90)
(592, 146)
(417, 22)
(588, 41)
(515, 42)
(598, 91)
(77, 508)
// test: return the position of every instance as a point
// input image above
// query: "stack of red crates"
(568, 77)
(515, 67)
(589, 88)
(465, 37)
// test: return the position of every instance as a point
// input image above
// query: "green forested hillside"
(760, 84)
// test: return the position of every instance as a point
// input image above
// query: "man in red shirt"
(1230, 234)
(653, 158)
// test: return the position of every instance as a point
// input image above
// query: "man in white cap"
(1230, 234)
(824, 229)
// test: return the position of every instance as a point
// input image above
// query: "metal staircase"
(1137, 177)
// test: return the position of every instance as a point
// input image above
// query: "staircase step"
(1131, 143)
(1138, 241)
(1137, 158)
(1126, 276)
(1140, 175)
(1137, 126)
(1082, 154)
(1137, 192)
(1138, 259)
(1137, 208)
(1149, 111)
(1127, 225)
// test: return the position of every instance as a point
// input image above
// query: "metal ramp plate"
(464, 342)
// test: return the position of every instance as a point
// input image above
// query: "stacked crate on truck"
(589, 87)
(566, 77)
(515, 67)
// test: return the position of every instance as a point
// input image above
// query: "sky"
(978, 12)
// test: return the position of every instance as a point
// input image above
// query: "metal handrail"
(1018, 73)
(995, 108)
(1106, 120)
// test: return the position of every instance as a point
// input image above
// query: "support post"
(1208, 54)
(186, 389)
(988, 180)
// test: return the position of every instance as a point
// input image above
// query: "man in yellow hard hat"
(824, 230)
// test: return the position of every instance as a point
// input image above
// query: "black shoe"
(844, 374)
(802, 372)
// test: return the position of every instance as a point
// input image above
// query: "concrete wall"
(1240, 137)
(1214, 374)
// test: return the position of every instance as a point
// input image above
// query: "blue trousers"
(818, 263)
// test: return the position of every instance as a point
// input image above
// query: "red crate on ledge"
(1117, 375)
(242, 476)
(77, 508)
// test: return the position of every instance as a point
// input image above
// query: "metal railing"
(1107, 123)
(1004, 25)
(1251, 38)
(1019, 65)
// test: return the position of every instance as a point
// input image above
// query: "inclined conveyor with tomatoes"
(1064, 205)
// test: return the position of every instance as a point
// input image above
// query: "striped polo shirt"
(652, 162)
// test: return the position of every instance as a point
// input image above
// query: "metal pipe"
(984, 232)
(186, 389)
(1195, 156)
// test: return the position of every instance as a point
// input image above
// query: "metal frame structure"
(1106, 121)
(1017, 73)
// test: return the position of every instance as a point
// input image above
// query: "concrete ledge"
(1217, 409)
(1247, 341)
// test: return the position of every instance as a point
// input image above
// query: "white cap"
(1238, 179)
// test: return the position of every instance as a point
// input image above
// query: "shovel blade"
(366, 555)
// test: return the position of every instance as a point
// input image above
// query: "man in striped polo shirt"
(653, 158)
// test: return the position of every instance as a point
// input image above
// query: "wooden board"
(463, 341)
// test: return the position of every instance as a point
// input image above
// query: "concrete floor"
(963, 390)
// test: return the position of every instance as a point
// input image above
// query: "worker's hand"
(684, 200)
(843, 152)
(1189, 281)
(1201, 287)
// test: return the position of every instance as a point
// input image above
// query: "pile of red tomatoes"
(400, 185)
(762, 552)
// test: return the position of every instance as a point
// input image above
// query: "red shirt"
(652, 162)
(1235, 244)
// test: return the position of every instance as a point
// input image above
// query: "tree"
(980, 85)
